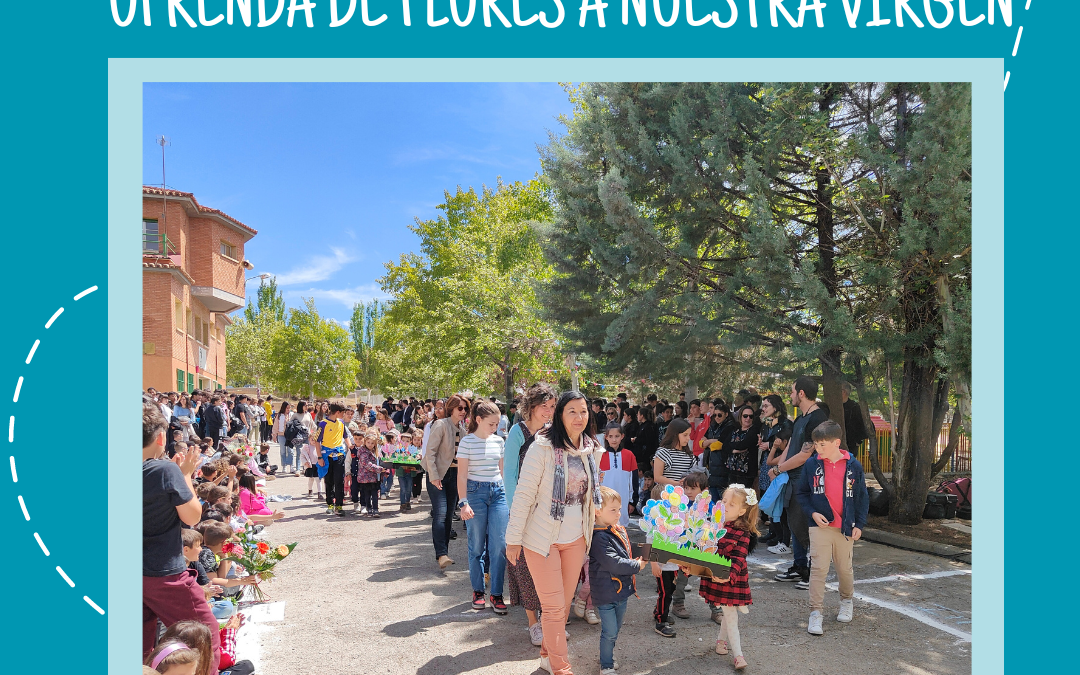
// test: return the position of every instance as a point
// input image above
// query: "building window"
(228, 250)
(179, 380)
(151, 239)
(179, 315)
(189, 324)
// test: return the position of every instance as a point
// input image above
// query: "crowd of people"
(544, 487)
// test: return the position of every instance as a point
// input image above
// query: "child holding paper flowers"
(733, 596)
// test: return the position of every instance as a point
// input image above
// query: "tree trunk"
(950, 448)
(875, 462)
(831, 375)
(924, 399)
(831, 381)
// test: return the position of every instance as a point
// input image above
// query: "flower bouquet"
(686, 533)
(406, 454)
(256, 557)
(239, 444)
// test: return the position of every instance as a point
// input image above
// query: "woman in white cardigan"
(552, 518)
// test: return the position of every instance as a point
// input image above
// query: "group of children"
(833, 492)
(370, 476)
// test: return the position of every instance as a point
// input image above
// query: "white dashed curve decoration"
(11, 439)
(1016, 45)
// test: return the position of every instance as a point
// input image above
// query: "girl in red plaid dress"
(733, 595)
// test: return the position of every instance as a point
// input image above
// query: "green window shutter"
(190, 382)
(179, 380)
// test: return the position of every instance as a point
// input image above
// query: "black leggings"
(665, 587)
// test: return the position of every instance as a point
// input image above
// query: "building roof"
(156, 264)
(200, 209)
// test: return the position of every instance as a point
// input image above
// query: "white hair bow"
(751, 496)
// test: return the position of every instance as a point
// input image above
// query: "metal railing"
(157, 244)
(960, 462)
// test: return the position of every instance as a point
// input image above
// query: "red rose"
(263, 547)
(228, 548)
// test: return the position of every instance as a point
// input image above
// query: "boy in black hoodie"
(611, 574)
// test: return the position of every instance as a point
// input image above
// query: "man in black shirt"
(854, 429)
(800, 448)
(170, 592)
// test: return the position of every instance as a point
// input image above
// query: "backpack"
(296, 434)
(961, 487)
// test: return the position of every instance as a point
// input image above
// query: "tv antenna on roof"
(163, 141)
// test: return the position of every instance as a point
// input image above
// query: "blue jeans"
(222, 609)
(404, 481)
(288, 454)
(442, 510)
(387, 481)
(611, 616)
(487, 526)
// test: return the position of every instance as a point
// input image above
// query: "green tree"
(269, 301)
(466, 302)
(707, 229)
(362, 329)
(312, 356)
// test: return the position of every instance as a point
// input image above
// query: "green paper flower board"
(400, 457)
(701, 563)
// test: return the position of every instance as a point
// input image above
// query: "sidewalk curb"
(915, 544)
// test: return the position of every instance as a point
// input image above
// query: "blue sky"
(332, 175)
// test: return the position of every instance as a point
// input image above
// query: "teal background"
(70, 195)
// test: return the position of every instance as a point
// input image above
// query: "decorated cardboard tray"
(701, 564)
(405, 456)
(686, 533)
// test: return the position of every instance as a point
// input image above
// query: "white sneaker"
(592, 617)
(545, 665)
(608, 671)
(779, 549)
(847, 608)
(813, 626)
(536, 634)
(356, 507)
(579, 608)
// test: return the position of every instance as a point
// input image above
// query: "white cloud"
(316, 268)
(346, 296)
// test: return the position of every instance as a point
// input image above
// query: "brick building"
(193, 276)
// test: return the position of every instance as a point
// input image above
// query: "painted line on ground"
(910, 613)
(886, 604)
(914, 577)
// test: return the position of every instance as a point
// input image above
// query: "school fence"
(960, 462)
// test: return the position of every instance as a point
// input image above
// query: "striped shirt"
(483, 455)
(676, 463)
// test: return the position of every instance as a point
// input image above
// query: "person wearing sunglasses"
(741, 447)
